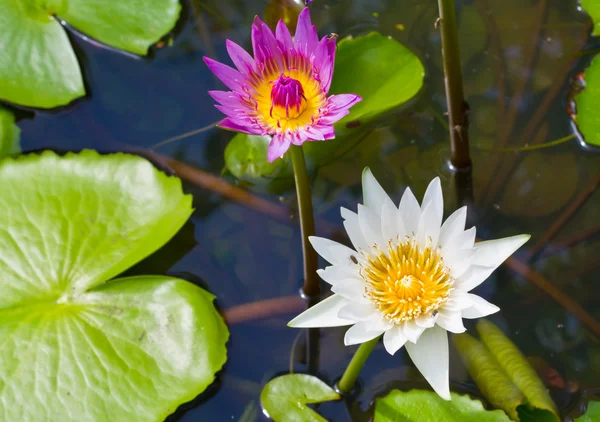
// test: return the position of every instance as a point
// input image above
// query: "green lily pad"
(38, 67)
(504, 376)
(592, 414)
(76, 345)
(9, 134)
(285, 398)
(131, 25)
(382, 71)
(588, 120)
(246, 159)
(592, 7)
(420, 405)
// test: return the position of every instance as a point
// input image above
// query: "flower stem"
(458, 108)
(350, 376)
(307, 221)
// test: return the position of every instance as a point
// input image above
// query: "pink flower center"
(287, 95)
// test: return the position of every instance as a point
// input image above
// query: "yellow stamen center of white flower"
(406, 281)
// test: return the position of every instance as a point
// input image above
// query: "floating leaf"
(588, 119)
(285, 398)
(38, 67)
(420, 405)
(128, 349)
(246, 158)
(9, 134)
(131, 25)
(379, 69)
(514, 364)
(592, 414)
(592, 7)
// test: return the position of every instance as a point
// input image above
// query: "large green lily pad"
(285, 398)
(38, 67)
(592, 7)
(420, 405)
(9, 134)
(592, 414)
(382, 71)
(588, 119)
(76, 346)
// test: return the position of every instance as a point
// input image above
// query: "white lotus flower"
(408, 277)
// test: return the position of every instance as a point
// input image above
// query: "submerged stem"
(350, 376)
(307, 221)
(457, 106)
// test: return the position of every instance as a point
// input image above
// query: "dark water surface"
(519, 57)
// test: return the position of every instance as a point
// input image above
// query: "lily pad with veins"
(75, 344)
(38, 67)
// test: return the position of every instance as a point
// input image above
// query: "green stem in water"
(307, 221)
(350, 376)
(458, 108)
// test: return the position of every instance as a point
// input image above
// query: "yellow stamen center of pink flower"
(286, 101)
(287, 98)
(406, 281)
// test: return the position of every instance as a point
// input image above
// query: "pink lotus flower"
(282, 91)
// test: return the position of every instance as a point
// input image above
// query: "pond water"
(519, 57)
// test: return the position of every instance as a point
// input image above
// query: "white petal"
(433, 194)
(461, 240)
(454, 225)
(430, 356)
(370, 225)
(459, 300)
(492, 253)
(473, 277)
(412, 331)
(333, 252)
(426, 321)
(390, 222)
(480, 308)
(353, 290)
(451, 321)
(429, 225)
(358, 312)
(393, 339)
(410, 212)
(435, 200)
(374, 196)
(353, 229)
(323, 314)
(360, 333)
(458, 260)
(336, 274)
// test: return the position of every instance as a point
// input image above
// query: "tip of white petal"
(445, 395)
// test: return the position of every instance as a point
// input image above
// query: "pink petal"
(278, 146)
(240, 57)
(324, 61)
(306, 34)
(265, 45)
(233, 79)
(284, 38)
(228, 124)
(227, 98)
(342, 101)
